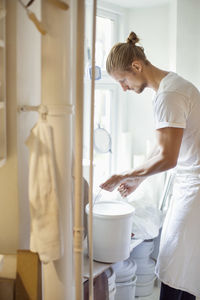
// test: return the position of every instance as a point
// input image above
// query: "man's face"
(130, 80)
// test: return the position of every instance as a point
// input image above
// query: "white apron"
(178, 263)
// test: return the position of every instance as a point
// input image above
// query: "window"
(105, 97)
(102, 119)
(104, 40)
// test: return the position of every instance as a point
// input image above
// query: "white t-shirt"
(177, 104)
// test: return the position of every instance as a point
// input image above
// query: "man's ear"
(137, 66)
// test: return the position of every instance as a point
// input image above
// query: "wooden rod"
(78, 216)
(91, 154)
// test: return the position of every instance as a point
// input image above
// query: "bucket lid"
(126, 271)
(111, 209)
(145, 284)
(131, 282)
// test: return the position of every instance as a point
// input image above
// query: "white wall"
(188, 40)
(151, 24)
(23, 87)
(170, 35)
(28, 81)
(173, 34)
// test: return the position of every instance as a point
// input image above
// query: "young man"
(176, 107)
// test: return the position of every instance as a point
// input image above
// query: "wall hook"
(33, 18)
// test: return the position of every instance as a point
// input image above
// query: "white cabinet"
(2, 82)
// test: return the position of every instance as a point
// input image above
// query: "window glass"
(102, 119)
(104, 40)
(105, 94)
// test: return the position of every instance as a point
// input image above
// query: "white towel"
(45, 230)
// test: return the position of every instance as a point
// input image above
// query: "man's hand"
(126, 185)
(110, 184)
(129, 186)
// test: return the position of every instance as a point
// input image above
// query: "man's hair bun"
(132, 39)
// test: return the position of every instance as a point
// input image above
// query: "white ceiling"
(137, 3)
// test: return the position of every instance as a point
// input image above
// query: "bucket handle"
(98, 196)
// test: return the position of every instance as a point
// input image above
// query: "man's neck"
(154, 76)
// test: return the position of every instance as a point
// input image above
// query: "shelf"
(2, 44)
(98, 267)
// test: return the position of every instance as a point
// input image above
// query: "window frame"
(114, 103)
(103, 13)
(107, 82)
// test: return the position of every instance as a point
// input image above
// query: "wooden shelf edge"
(99, 267)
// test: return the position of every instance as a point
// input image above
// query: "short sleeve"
(170, 110)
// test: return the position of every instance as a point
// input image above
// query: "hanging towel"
(44, 211)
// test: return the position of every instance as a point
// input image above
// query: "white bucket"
(143, 250)
(126, 290)
(112, 223)
(125, 270)
(144, 278)
(111, 283)
(112, 294)
(145, 272)
(145, 266)
(145, 289)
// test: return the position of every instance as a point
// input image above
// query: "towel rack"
(51, 110)
(40, 108)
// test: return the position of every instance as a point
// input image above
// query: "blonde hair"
(122, 55)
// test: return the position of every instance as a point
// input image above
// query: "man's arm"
(163, 158)
(168, 145)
